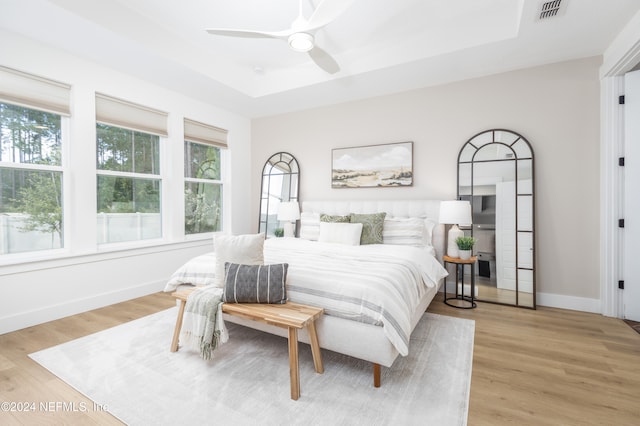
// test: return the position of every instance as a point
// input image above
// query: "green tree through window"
(30, 179)
(203, 188)
(129, 184)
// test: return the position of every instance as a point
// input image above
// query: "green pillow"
(334, 218)
(372, 225)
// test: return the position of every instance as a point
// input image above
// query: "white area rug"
(130, 370)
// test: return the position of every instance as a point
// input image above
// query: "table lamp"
(455, 213)
(289, 212)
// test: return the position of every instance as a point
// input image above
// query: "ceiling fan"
(301, 34)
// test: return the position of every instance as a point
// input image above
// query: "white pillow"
(309, 226)
(340, 232)
(243, 249)
(406, 231)
(429, 224)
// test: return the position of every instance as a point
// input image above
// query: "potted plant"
(278, 232)
(465, 246)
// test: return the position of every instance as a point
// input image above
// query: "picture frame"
(372, 166)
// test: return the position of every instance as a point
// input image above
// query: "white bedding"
(378, 283)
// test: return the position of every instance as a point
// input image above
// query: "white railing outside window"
(31, 179)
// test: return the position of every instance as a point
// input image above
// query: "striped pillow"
(255, 283)
(309, 226)
(405, 231)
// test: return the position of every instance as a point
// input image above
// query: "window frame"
(124, 114)
(63, 169)
(79, 175)
(115, 245)
(219, 182)
(201, 133)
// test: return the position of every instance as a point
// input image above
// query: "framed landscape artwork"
(372, 166)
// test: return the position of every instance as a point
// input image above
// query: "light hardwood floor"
(543, 367)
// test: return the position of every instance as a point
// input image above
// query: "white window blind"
(121, 113)
(32, 91)
(204, 133)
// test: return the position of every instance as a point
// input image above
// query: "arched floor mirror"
(280, 179)
(496, 175)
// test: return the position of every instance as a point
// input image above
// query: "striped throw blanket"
(203, 327)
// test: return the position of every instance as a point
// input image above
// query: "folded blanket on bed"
(203, 327)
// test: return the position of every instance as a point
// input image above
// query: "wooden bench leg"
(376, 375)
(294, 372)
(315, 348)
(176, 332)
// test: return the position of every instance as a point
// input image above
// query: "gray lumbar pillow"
(255, 283)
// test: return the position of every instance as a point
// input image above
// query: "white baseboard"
(72, 307)
(35, 317)
(573, 303)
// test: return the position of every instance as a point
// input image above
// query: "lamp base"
(452, 247)
(289, 229)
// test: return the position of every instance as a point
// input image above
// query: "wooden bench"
(292, 316)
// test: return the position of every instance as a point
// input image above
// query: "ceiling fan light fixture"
(301, 42)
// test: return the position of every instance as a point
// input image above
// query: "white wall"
(556, 107)
(82, 277)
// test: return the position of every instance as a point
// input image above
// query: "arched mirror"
(495, 173)
(280, 178)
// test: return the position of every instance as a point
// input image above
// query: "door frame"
(620, 57)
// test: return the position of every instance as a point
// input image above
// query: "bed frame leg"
(376, 375)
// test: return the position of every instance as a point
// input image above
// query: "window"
(129, 179)
(202, 188)
(203, 154)
(32, 113)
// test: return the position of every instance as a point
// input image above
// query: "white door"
(506, 235)
(631, 255)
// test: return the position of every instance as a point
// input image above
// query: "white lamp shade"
(288, 211)
(455, 212)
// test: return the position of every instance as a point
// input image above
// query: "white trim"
(611, 143)
(560, 301)
(73, 307)
(624, 52)
(573, 303)
(131, 175)
(60, 258)
(620, 57)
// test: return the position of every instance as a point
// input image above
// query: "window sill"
(62, 258)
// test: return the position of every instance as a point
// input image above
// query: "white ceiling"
(382, 46)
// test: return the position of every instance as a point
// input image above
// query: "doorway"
(631, 212)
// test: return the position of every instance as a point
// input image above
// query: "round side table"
(461, 301)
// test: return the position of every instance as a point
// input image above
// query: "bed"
(373, 294)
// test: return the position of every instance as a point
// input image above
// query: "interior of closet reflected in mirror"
(495, 174)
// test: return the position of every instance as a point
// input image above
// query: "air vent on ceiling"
(549, 9)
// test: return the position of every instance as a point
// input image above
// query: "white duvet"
(378, 283)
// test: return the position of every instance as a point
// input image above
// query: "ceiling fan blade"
(249, 33)
(326, 12)
(324, 60)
